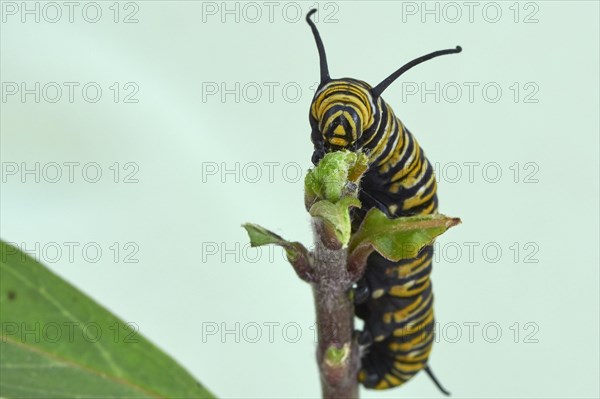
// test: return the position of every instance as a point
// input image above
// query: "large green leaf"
(58, 343)
(398, 238)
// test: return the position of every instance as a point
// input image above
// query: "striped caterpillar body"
(394, 299)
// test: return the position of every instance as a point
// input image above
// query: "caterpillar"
(394, 299)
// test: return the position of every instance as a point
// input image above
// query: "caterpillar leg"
(365, 337)
(361, 292)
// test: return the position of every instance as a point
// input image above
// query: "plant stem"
(337, 351)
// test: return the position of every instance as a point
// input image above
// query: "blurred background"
(138, 136)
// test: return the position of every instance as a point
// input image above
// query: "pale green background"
(170, 213)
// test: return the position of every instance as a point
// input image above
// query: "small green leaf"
(399, 238)
(336, 357)
(58, 343)
(297, 254)
(327, 181)
(337, 216)
(260, 236)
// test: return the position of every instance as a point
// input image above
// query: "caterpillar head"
(343, 109)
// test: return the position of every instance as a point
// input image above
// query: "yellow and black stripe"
(397, 304)
(344, 115)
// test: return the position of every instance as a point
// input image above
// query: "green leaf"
(58, 343)
(296, 253)
(260, 236)
(399, 238)
(336, 357)
(337, 216)
(328, 180)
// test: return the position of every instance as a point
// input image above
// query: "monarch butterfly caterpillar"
(394, 299)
